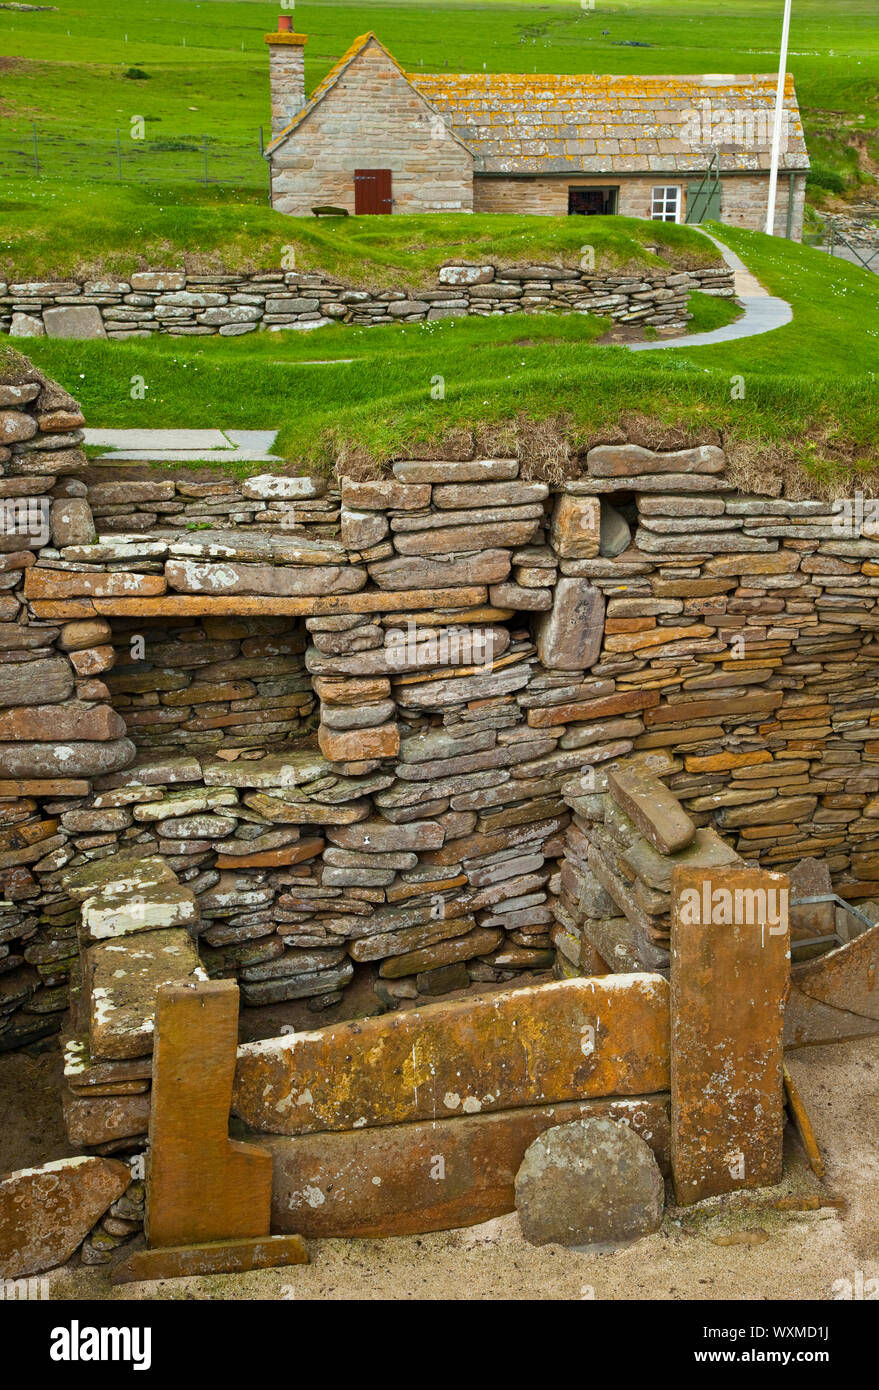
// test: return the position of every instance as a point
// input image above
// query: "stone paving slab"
(184, 445)
(158, 439)
(763, 312)
(386, 1181)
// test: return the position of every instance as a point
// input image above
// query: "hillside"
(114, 230)
(357, 397)
(197, 70)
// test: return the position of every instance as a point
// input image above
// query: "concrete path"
(185, 446)
(763, 311)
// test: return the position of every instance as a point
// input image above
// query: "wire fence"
(29, 150)
(833, 239)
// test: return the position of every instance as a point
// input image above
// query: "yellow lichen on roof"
(336, 70)
(539, 121)
(655, 86)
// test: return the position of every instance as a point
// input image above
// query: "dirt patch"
(17, 66)
(31, 1123)
(803, 1252)
(621, 333)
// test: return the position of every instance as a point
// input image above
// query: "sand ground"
(794, 1255)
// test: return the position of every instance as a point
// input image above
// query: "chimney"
(286, 73)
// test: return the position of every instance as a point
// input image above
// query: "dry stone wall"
(188, 305)
(347, 720)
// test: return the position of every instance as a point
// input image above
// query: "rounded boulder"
(590, 1182)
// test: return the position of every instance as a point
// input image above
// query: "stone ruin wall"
(189, 305)
(339, 798)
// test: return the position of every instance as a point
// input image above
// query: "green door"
(703, 201)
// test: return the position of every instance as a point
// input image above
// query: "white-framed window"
(666, 205)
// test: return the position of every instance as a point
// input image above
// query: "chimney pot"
(285, 24)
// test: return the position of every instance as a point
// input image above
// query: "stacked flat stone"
(136, 930)
(122, 1222)
(184, 304)
(206, 686)
(627, 835)
(50, 689)
(471, 642)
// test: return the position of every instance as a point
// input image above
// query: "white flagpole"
(779, 121)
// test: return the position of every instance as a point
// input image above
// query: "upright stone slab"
(844, 979)
(730, 970)
(434, 1175)
(810, 878)
(201, 1186)
(570, 635)
(74, 321)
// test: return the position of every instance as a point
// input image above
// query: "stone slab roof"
(558, 123)
(561, 123)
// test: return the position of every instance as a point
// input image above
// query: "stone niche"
(229, 685)
(313, 874)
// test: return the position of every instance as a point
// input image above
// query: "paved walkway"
(185, 446)
(763, 311)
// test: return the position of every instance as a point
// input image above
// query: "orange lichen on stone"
(201, 1186)
(730, 973)
(570, 1040)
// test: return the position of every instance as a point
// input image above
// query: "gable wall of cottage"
(372, 119)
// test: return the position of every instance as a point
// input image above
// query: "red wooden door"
(372, 191)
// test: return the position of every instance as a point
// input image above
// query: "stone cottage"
(372, 138)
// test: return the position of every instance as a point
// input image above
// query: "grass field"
(196, 71)
(811, 388)
(93, 230)
(207, 72)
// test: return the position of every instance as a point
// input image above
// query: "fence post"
(118, 152)
(36, 155)
(262, 150)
